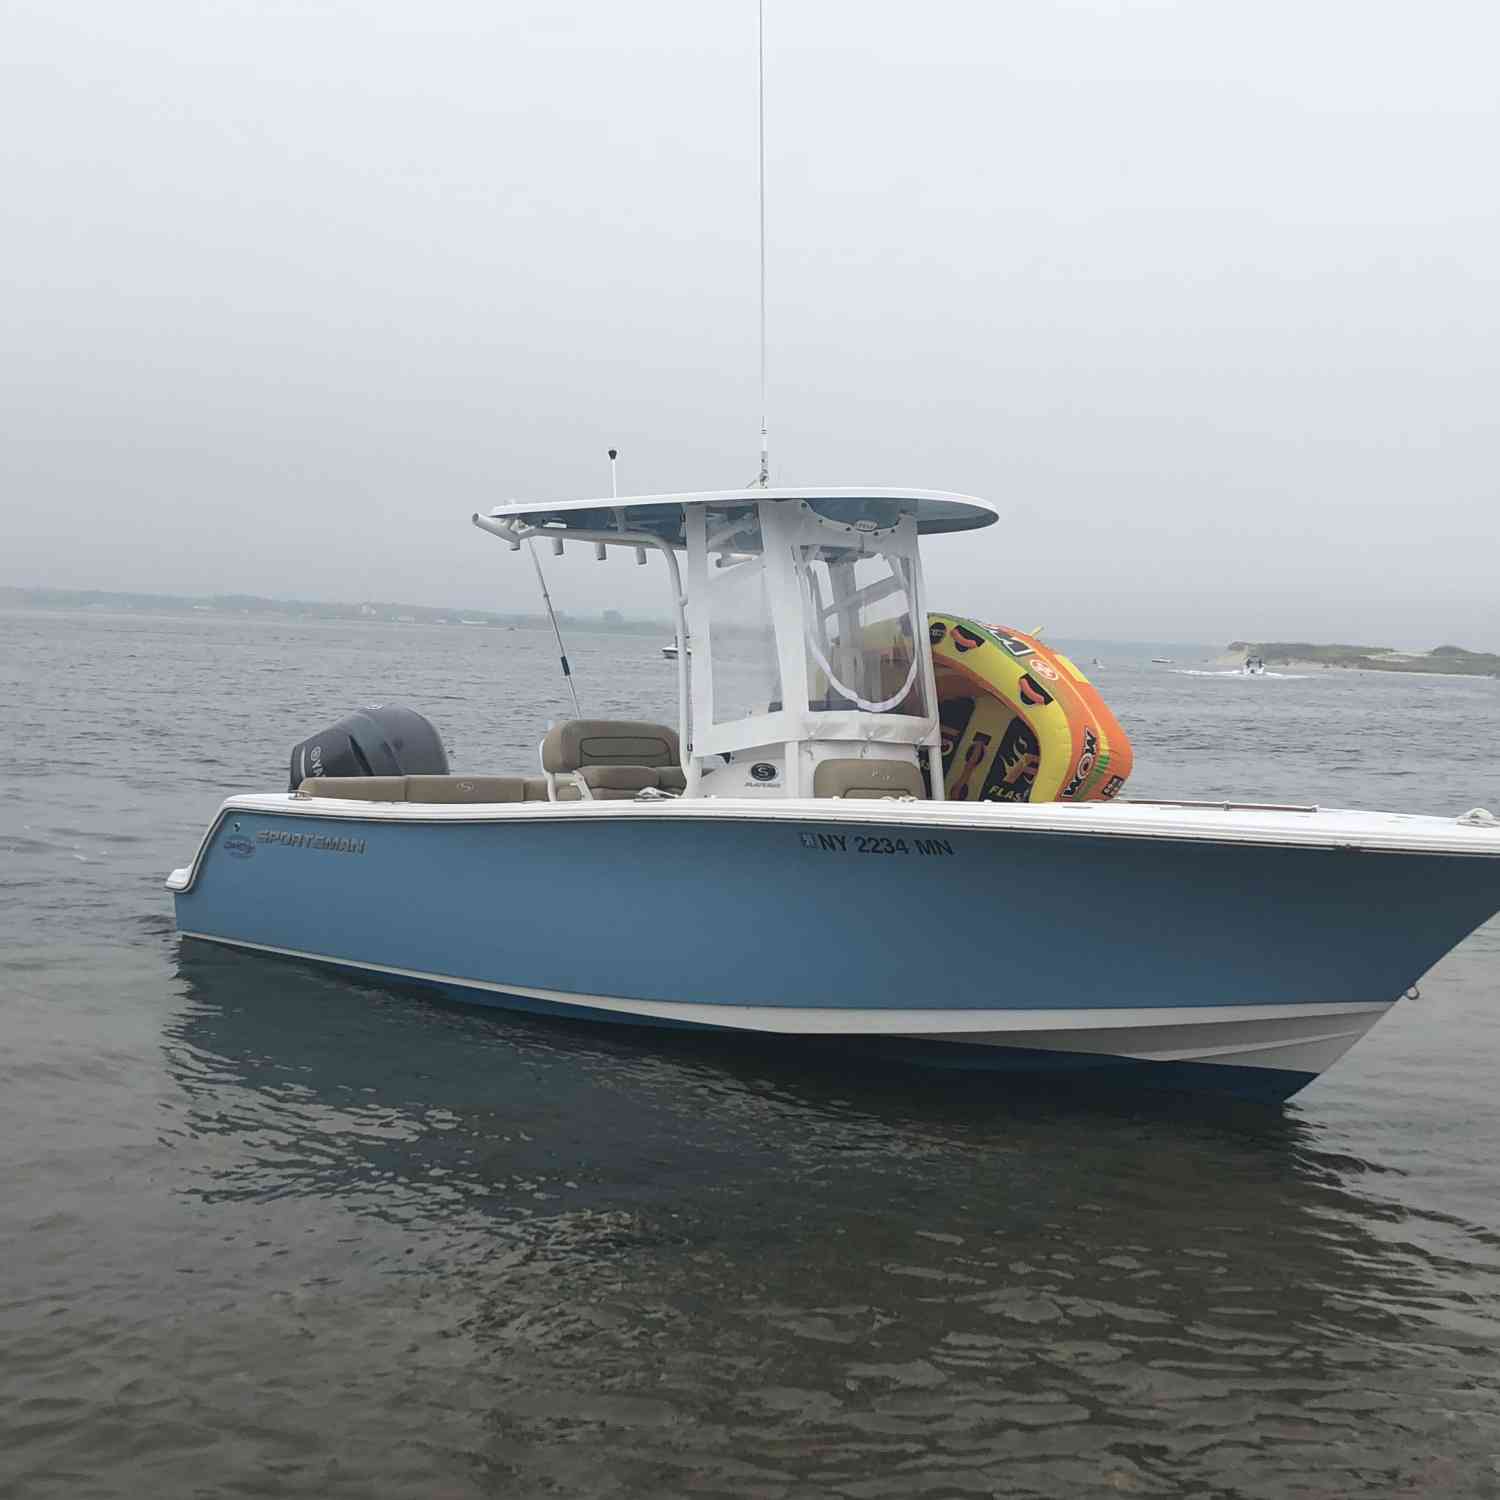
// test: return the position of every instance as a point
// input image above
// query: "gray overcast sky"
(1204, 294)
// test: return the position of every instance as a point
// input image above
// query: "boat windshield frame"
(777, 539)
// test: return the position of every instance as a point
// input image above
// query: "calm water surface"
(264, 1231)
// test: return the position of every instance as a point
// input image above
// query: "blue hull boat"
(784, 861)
(1238, 950)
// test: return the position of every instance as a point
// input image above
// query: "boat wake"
(1248, 676)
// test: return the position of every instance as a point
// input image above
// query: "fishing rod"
(562, 651)
(536, 562)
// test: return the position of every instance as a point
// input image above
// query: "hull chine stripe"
(1103, 1032)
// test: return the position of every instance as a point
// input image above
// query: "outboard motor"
(383, 739)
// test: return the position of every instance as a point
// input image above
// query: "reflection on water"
(668, 1268)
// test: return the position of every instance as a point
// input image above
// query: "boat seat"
(608, 783)
(578, 743)
(614, 759)
(357, 788)
(868, 778)
(427, 789)
(465, 788)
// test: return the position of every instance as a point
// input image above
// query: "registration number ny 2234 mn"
(872, 843)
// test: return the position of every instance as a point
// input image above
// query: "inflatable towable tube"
(1020, 722)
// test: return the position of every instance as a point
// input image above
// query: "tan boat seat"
(462, 788)
(427, 789)
(359, 788)
(615, 758)
(609, 783)
(579, 743)
(868, 778)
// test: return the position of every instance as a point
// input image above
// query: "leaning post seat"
(868, 778)
(610, 759)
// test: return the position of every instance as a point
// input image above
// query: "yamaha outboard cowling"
(383, 739)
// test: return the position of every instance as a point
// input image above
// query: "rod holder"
(500, 529)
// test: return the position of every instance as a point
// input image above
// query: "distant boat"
(670, 652)
(1163, 661)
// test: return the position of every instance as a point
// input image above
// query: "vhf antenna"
(765, 457)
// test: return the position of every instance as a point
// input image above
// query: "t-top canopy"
(662, 515)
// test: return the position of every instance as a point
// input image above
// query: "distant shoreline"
(1320, 666)
(239, 606)
(1440, 661)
